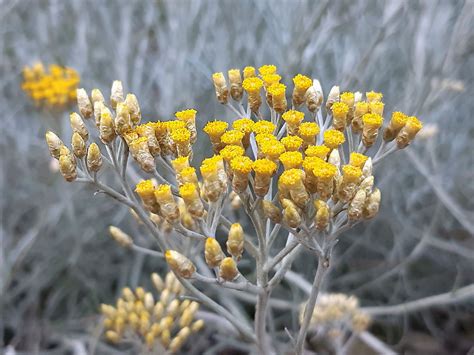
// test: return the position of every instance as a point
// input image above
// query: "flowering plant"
(305, 170)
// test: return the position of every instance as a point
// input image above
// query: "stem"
(323, 264)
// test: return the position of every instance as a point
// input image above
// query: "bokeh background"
(57, 262)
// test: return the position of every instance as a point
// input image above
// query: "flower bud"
(123, 122)
(189, 193)
(228, 269)
(106, 127)
(235, 241)
(157, 281)
(78, 145)
(78, 126)
(213, 253)
(94, 158)
(408, 132)
(272, 212)
(98, 108)
(134, 108)
(236, 90)
(54, 144)
(141, 153)
(220, 85)
(84, 104)
(120, 237)
(180, 264)
(302, 84)
(168, 207)
(96, 96)
(116, 93)
(67, 164)
(354, 212)
(314, 96)
(372, 204)
(332, 97)
(321, 219)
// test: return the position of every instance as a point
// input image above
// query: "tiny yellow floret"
(325, 171)
(181, 135)
(339, 109)
(215, 129)
(244, 125)
(333, 138)
(372, 120)
(249, 72)
(290, 178)
(267, 69)
(242, 164)
(264, 167)
(292, 143)
(351, 173)
(252, 84)
(291, 160)
(347, 98)
(263, 127)
(233, 137)
(270, 79)
(373, 96)
(231, 151)
(302, 82)
(293, 117)
(358, 160)
(320, 151)
(186, 115)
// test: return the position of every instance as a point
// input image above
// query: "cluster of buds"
(336, 312)
(163, 324)
(54, 87)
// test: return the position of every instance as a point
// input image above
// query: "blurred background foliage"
(58, 263)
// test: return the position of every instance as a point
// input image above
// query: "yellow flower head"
(320, 151)
(358, 160)
(181, 135)
(291, 178)
(325, 171)
(373, 96)
(302, 82)
(414, 124)
(249, 72)
(163, 194)
(311, 163)
(174, 124)
(188, 174)
(263, 127)
(186, 115)
(398, 120)
(376, 107)
(347, 98)
(233, 137)
(339, 110)
(180, 163)
(252, 85)
(264, 137)
(243, 125)
(145, 187)
(210, 166)
(270, 79)
(351, 173)
(308, 130)
(188, 191)
(218, 78)
(264, 167)
(291, 160)
(372, 120)
(292, 143)
(361, 108)
(231, 151)
(241, 165)
(267, 69)
(272, 150)
(215, 129)
(277, 90)
(293, 117)
(333, 138)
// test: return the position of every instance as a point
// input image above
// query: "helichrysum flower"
(189, 117)
(292, 143)
(54, 88)
(308, 132)
(302, 84)
(320, 151)
(241, 167)
(215, 130)
(244, 125)
(373, 96)
(339, 115)
(263, 127)
(236, 90)
(278, 98)
(333, 138)
(249, 72)
(264, 170)
(408, 132)
(267, 69)
(293, 120)
(291, 160)
(252, 86)
(371, 124)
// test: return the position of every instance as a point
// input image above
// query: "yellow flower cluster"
(51, 88)
(163, 324)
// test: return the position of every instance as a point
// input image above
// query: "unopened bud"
(54, 144)
(84, 104)
(116, 94)
(180, 264)
(272, 212)
(77, 125)
(213, 253)
(78, 145)
(94, 158)
(228, 269)
(106, 127)
(220, 85)
(120, 237)
(235, 241)
(67, 164)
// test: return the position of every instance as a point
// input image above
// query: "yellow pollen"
(244, 125)
(361, 108)
(267, 69)
(233, 137)
(351, 173)
(376, 107)
(180, 163)
(144, 186)
(263, 127)
(249, 72)
(399, 119)
(358, 160)
(302, 82)
(264, 167)
(293, 117)
(181, 135)
(163, 191)
(333, 138)
(292, 143)
(186, 115)
(242, 164)
(347, 98)
(372, 120)
(414, 123)
(277, 90)
(373, 96)
(320, 151)
(339, 109)
(215, 129)
(231, 151)
(325, 171)
(252, 84)
(174, 124)
(188, 172)
(187, 190)
(310, 163)
(291, 177)
(264, 137)
(291, 160)
(272, 150)
(308, 130)
(270, 79)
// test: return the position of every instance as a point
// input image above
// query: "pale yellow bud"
(78, 145)
(116, 94)
(180, 264)
(220, 85)
(228, 269)
(67, 164)
(123, 122)
(120, 237)
(213, 253)
(106, 127)
(128, 294)
(332, 97)
(112, 336)
(235, 241)
(84, 104)
(54, 144)
(157, 281)
(149, 301)
(96, 96)
(134, 108)
(94, 158)
(372, 204)
(354, 212)
(197, 325)
(77, 125)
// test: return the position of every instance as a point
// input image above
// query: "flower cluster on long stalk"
(52, 88)
(301, 164)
